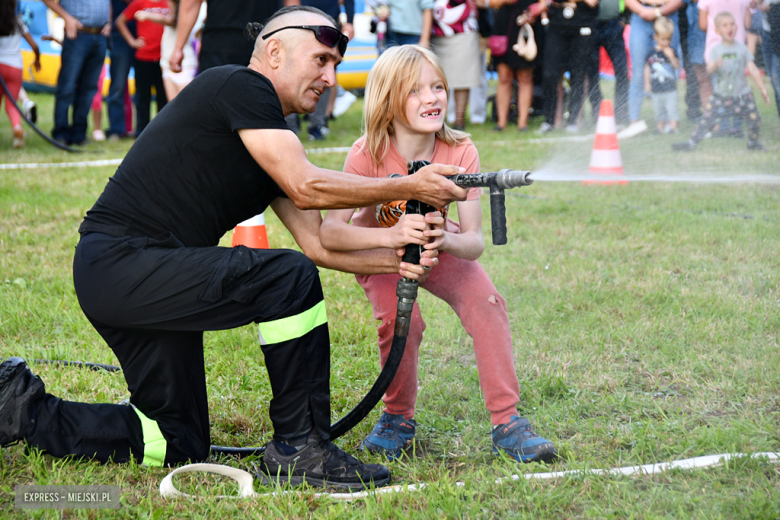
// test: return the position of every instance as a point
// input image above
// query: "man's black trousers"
(151, 300)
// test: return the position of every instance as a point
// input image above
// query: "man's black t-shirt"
(189, 173)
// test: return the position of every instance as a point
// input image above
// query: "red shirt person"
(147, 56)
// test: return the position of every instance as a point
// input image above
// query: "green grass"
(645, 322)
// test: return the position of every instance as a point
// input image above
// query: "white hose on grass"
(245, 480)
(79, 164)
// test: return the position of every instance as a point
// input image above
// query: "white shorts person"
(189, 65)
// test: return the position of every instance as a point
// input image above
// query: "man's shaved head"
(292, 15)
(300, 67)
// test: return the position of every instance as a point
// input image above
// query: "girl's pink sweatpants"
(467, 288)
(13, 80)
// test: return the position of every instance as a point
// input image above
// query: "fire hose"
(406, 290)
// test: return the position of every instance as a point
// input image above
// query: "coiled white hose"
(245, 480)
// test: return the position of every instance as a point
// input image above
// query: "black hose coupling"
(497, 182)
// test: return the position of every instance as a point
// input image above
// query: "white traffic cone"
(605, 159)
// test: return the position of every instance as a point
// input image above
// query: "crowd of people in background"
(546, 54)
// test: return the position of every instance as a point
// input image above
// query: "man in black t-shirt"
(150, 278)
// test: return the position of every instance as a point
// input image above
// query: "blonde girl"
(404, 120)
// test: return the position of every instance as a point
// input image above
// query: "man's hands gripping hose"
(432, 187)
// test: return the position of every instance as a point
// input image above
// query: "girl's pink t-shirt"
(737, 9)
(385, 215)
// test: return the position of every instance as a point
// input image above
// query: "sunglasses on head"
(325, 34)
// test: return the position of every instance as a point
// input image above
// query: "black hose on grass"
(79, 364)
(32, 125)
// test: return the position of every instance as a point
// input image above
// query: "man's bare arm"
(282, 155)
(305, 228)
(188, 15)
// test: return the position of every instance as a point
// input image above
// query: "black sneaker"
(755, 145)
(319, 464)
(19, 387)
(317, 133)
(685, 146)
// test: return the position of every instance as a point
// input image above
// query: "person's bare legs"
(461, 102)
(172, 88)
(97, 118)
(704, 81)
(525, 96)
(559, 105)
(504, 94)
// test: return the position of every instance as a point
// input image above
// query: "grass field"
(645, 319)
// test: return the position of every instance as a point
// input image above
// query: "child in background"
(12, 29)
(732, 96)
(404, 114)
(175, 81)
(660, 79)
(740, 10)
(147, 57)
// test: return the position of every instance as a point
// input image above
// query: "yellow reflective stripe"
(293, 327)
(154, 442)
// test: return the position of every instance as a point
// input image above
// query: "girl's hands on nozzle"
(435, 232)
(409, 230)
(428, 260)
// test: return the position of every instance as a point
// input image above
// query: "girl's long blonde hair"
(392, 78)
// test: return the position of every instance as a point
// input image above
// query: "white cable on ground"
(246, 490)
(340, 149)
(80, 164)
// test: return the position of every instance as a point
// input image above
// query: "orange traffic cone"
(605, 159)
(251, 233)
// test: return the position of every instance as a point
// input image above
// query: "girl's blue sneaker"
(390, 435)
(519, 441)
